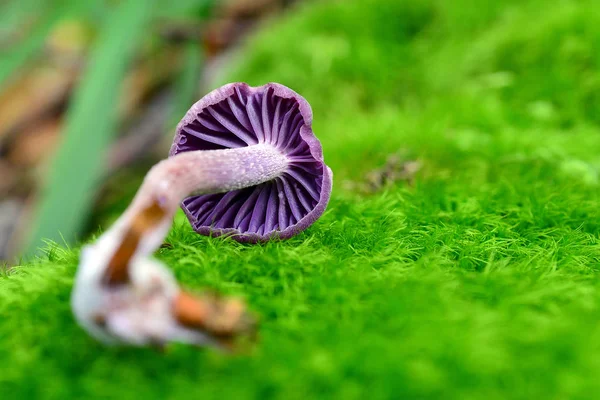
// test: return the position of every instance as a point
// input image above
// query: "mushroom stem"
(121, 292)
(173, 179)
(208, 171)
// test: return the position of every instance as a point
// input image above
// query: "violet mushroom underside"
(238, 115)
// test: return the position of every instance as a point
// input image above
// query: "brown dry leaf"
(219, 34)
(35, 143)
(32, 96)
(396, 169)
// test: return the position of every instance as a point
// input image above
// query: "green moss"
(479, 280)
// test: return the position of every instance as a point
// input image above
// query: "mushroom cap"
(237, 115)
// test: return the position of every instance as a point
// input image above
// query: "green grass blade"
(91, 124)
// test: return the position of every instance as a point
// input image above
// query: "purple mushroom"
(256, 169)
(270, 180)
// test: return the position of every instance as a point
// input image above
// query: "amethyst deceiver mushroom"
(273, 181)
(257, 170)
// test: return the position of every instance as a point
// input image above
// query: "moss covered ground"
(477, 279)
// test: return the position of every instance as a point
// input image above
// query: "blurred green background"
(459, 255)
(87, 89)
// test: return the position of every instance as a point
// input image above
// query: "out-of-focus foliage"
(11, 14)
(478, 281)
(91, 125)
